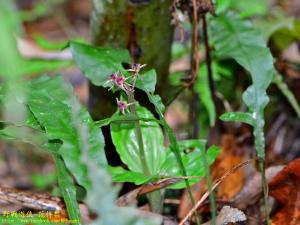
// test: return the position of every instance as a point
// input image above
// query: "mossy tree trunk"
(144, 28)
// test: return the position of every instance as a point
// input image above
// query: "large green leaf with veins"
(124, 138)
(193, 161)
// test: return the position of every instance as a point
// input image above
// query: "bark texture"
(141, 26)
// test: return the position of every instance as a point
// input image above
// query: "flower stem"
(260, 151)
(155, 198)
(265, 190)
(138, 132)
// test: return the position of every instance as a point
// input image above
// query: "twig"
(32, 200)
(217, 183)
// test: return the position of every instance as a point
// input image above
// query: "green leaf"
(244, 7)
(49, 45)
(191, 143)
(124, 138)
(285, 36)
(121, 175)
(66, 185)
(159, 108)
(157, 102)
(269, 27)
(235, 38)
(98, 63)
(102, 200)
(118, 118)
(38, 66)
(193, 161)
(24, 134)
(238, 117)
(10, 60)
(51, 96)
(42, 181)
(282, 86)
(202, 88)
(147, 81)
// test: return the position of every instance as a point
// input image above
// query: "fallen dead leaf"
(252, 190)
(285, 188)
(229, 158)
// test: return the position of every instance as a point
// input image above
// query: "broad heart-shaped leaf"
(124, 138)
(98, 63)
(192, 161)
(49, 103)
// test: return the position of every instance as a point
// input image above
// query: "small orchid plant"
(136, 133)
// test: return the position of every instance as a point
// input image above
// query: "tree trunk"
(141, 26)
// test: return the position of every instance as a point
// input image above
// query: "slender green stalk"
(138, 133)
(175, 149)
(260, 151)
(265, 190)
(155, 198)
(213, 208)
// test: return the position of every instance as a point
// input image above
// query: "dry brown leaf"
(252, 190)
(285, 188)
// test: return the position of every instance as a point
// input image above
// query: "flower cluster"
(135, 68)
(119, 80)
(123, 106)
(127, 84)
